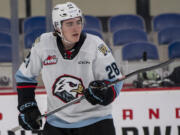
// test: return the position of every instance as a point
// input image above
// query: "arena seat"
(5, 53)
(138, 50)
(125, 21)
(174, 49)
(166, 20)
(94, 32)
(125, 36)
(5, 38)
(30, 37)
(168, 35)
(138, 55)
(5, 25)
(92, 22)
(32, 23)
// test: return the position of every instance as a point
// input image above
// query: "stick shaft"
(65, 106)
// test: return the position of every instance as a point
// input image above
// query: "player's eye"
(71, 84)
(69, 24)
(79, 22)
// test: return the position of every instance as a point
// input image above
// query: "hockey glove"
(96, 95)
(29, 113)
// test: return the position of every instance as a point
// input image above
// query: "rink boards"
(154, 111)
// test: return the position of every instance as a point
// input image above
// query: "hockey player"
(72, 64)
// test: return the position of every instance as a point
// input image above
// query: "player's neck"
(68, 46)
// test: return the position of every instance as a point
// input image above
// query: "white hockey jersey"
(65, 76)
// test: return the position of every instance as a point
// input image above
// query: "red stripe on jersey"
(27, 86)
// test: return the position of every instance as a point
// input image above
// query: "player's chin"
(75, 38)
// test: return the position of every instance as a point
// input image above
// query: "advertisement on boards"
(135, 113)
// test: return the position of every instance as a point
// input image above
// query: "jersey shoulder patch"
(42, 38)
(37, 40)
(104, 49)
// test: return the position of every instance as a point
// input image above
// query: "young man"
(73, 64)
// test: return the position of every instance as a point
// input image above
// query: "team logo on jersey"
(50, 60)
(67, 88)
(102, 48)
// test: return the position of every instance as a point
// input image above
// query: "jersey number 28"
(112, 70)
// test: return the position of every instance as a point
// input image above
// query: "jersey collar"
(70, 54)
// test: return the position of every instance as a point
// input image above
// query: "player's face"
(71, 29)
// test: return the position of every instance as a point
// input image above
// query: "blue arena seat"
(92, 22)
(35, 22)
(174, 49)
(137, 50)
(5, 25)
(5, 38)
(165, 20)
(5, 53)
(125, 36)
(125, 21)
(168, 35)
(29, 38)
(94, 32)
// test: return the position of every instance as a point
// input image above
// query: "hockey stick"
(11, 132)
